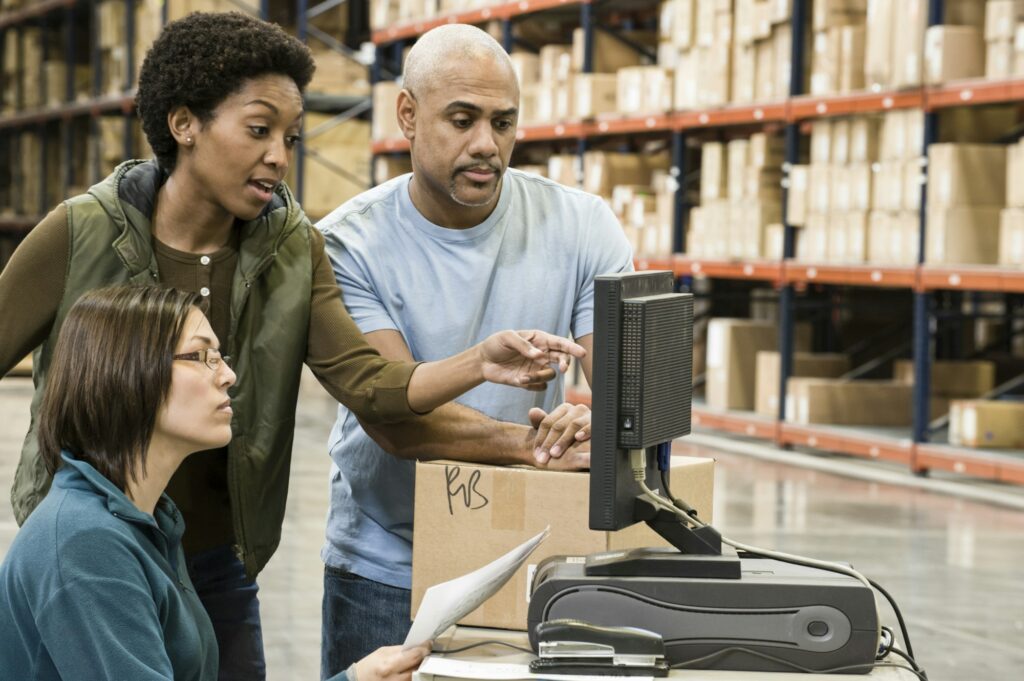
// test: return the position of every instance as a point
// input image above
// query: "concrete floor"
(953, 564)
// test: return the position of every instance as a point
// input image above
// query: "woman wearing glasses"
(94, 585)
(220, 98)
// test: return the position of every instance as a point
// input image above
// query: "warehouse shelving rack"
(67, 12)
(787, 275)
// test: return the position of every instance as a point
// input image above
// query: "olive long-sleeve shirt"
(31, 289)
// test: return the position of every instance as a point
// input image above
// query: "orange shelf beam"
(535, 133)
(850, 275)
(969, 462)
(969, 277)
(623, 125)
(731, 422)
(748, 114)
(767, 270)
(975, 91)
(856, 445)
(505, 10)
(644, 264)
(810, 106)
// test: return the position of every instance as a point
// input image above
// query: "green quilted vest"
(270, 298)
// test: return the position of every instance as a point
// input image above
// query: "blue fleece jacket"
(93, 588)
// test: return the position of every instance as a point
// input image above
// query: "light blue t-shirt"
(529, 265)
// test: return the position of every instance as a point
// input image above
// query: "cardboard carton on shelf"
(466, 515)
(953, 53)
(1011, 237)
(733, 345)
(999, 59)
(991, 424)
(956, 379)
(594, 94)
(963, 235)
(385, 120)
(850, 403)
(805, 364)
(1001, 17)
(966, 175)
(610, 53)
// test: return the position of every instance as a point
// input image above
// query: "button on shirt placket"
(203, 279)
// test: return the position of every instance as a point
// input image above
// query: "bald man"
(429, 263)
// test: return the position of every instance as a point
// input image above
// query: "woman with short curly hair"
(220, 97)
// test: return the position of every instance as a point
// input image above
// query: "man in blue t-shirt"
(429, 264)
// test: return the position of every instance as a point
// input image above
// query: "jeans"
(359, 616)
(230, 600)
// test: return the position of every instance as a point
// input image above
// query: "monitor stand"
(697, 552)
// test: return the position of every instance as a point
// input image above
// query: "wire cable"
(899, 617)
(491, 642)
(916, 671)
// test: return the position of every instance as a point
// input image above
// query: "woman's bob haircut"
(111, 372)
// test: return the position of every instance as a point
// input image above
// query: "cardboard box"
(1015, 175)
(610, 54)
(594, 94)
(527, 67)
(848, 403)
(467, 515)
(1011, 237)
(852, 41)
(388, 166)
(999, 59)
(878, 48)
(864, 133)
(952, 53)
(834, 13)
(766, 150)
(1001, 17)
(555, 63)
(952, 378)
(966, 175)
(602, 170)
(766, 85)
(986, 423)
(797, 197)
(733, 345)
(857, 233)
(805, 364)
(678, 22)
(385, 111)
(908, 42)
(712, 171)
(963, 235)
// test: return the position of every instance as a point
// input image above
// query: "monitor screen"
(642, 385)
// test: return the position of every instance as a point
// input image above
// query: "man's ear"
(406, 112)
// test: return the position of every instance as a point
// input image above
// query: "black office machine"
(713, 609)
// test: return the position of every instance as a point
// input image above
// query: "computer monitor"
(642, 389)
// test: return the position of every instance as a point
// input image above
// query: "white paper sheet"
(445, 604)
(499, 671)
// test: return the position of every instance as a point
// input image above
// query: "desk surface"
(462, 636)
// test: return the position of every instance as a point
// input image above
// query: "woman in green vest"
(220, 98)
(94, 585)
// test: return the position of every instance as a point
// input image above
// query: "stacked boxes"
(726, 51)
(966, 194)
(740, 199)
(638, 188)
(1002, 18)
(894, 225)
(837, 60)
(1011, 219)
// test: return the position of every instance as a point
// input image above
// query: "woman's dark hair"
(110, 373)
(201, 60)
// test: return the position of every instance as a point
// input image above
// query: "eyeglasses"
(210, 357)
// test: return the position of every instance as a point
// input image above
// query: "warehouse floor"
(953, 563)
